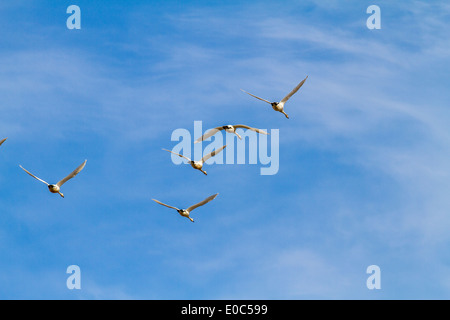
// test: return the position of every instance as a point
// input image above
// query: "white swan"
(1, 142)
(199, 164)
(55, 188)
(279, 106)
(186, 212)
(228, 128)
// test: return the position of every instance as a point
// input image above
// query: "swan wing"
(180, 155)
(208, 134)
(72, 174)
(256, 97)
(212, 154)
(202, 202)
(293, 91)
(33, 175)
(166, 205)
(243, 126)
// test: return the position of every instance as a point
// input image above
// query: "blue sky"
(363, 175)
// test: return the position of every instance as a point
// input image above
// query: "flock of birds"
(277, 106)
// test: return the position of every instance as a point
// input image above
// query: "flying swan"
(186, 212)
(279, 106)
(228, 128)
(55, 188)
(199, 164)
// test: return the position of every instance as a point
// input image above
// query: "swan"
(199, 164)
(186, 212)
(55, 188)
(279, 106)
(228, 128)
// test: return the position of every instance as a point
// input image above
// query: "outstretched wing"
(1, 142)
(180, 155)
(256, 97)
(212, 154)
(202, 202)
(33, 175)
(208, 134)
(166, 205)
(73, 174)
(250, 128)
(294, 90)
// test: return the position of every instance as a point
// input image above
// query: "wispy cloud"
(363, 159)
